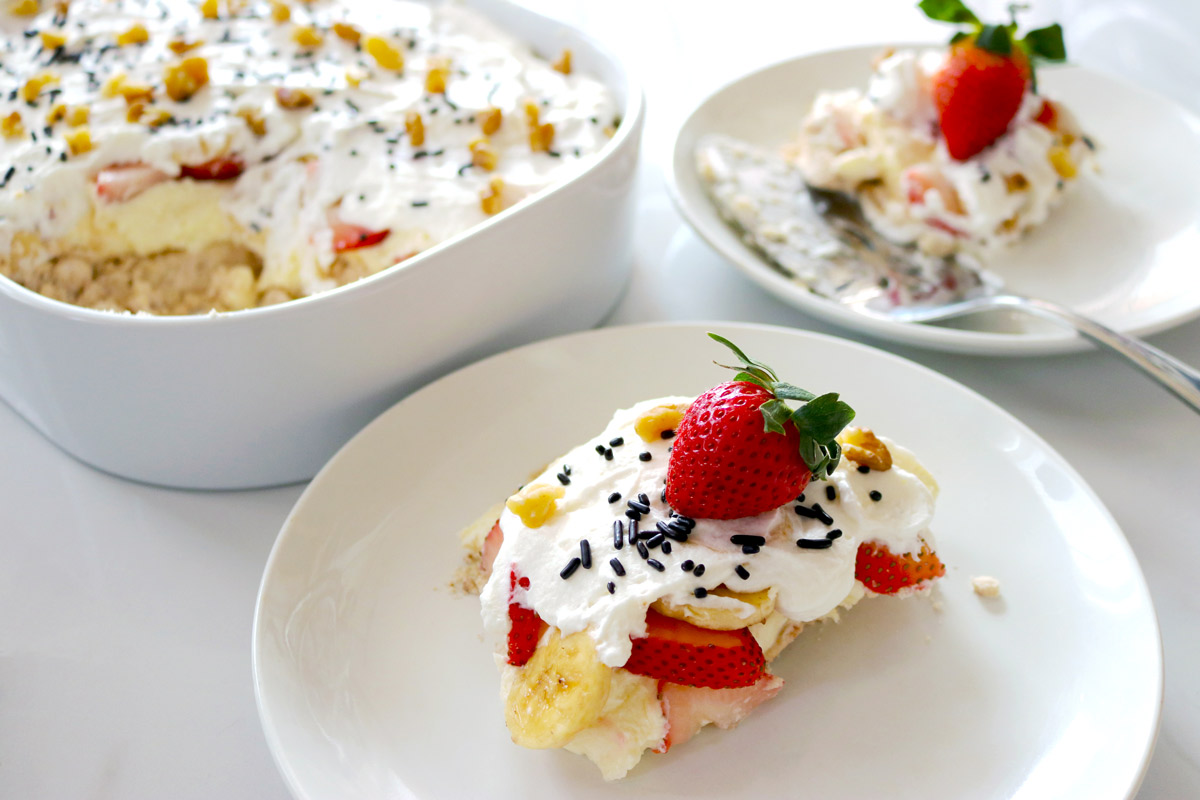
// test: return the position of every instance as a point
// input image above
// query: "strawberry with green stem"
(742, 450)
(980, 87)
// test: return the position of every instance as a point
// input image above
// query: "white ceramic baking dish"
(265, 396)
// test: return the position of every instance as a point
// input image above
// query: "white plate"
(1122, 248)
(373, 680)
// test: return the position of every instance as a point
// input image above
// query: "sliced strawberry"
(221, 168)
(1047, 115)
(677, 651)
(117, 183)
(351, 237)
(491, 546)
(690, 708)
(525, 627)
(884, 572)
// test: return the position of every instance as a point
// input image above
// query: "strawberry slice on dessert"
(981, 86)
(885, 572)
(679, 652)
(690, 708)
(221, 168)
(347, 236)
(117, 183)
(526, 626)
(741, 450)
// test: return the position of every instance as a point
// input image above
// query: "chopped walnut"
(136, 92)
(185, 78)
(985, 586)
(134, 112)
(181, 46)
(863, 447)
(208, 8)
(293, 98)
(52, 40)
(57, 113)
(563, 64)
(307, 36)
(490, 199)
(535, 503)
(654, 422)
(254, 120)
(1060, 159)
(384, 53)
(137, 34)
(158, 116)
(280, 11)
(541, 138)
(490, 120)
(415, 127)
(532, 113)
(78, 141)
(11, 125)
(482, 154)
(439, 73)
(347, 32)
(1015, 183)
(24, 8)
(33, 87)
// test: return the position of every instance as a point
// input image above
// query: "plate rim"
(954, 340)
(270, 730)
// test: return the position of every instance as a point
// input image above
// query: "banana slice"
(721, 619)
(905, 460)
(560, 691)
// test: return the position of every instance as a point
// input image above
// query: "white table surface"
(125, 610)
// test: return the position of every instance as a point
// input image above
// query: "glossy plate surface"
(373, 680)
(1121, 248)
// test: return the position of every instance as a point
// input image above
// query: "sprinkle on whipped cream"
(403, 122)
(804, 551)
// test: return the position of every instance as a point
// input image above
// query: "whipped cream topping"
(809, 583)
(884, 144)
(346, 154)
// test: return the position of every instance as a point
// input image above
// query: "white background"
(125, 610)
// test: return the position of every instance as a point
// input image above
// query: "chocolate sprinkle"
(699, 570)
(701, 592)
(830, 493)
(608, 454)
(612, 588)
(833, 534)
(750, 549)
(666, 548)
(687, 565)
(600, 449)
(633, 515)
(617, 566)
(585, 553)
(656, 564)
(614, 497)
(618, 534)
(643, 551)
(742, 572)
(864, 469)
(642, 498)
(563, 479)
(654, 541)
(617, 442)
(746, 538)
(644, 456)
(570, 568)
(814, 544)
(642, 507)
(633, 531)
(668, 434)
(875, 495)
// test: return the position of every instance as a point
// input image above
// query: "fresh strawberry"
(679, 652)
(740, 450)
(690, 708)
(220, 168)
(117, 183)
(525, 627)
(982, 83)
(884, 572)
(491, 546)
(351, 237)
(977, 93)
(1047, 115)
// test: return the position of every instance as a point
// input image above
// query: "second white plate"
(373, 680)
(1122, 248)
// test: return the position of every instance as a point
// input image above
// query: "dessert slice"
(953, 150)
(638, 589)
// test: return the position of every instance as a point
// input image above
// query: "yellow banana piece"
(560, 691)
(721, 619)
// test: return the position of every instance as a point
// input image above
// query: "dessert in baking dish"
(177, 157)
(641, 585)
(953, 150)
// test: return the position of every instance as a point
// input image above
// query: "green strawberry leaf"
(1046, 43)
(948, 11)
(786, 391)
(823, 418)
(775, 415)
(747, 362)
(752, 377)
(995, 39)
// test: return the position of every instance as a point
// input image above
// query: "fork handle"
(1175, 376)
